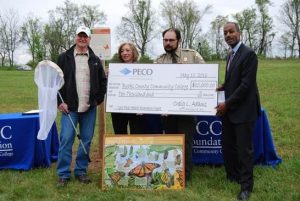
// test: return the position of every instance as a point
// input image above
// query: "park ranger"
(174, 53)
(173, 124)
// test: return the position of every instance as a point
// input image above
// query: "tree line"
(142, 24)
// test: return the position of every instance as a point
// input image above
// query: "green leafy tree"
(290, 18)
(247, 22)
(138, 26)
(91, 16)
(265, 26)
(54, 38)
(145, 59)
(186, 16)
(32, 35)
(2, 51)
(114, 59)
(217, 35)
(203, 47)
(63, 21)
(68, 17)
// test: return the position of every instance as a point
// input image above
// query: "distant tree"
(265, 26)
(114, 59)
(218, 37)
(286, 44)
(54, 38)
(32, 35)
(145, 59)
(142, 59)
(186, 16)
(91, 16)
(2, 50)
(203, 47)
(138, 26)
(247, 22)
(290, 18)
(9, 33)
(169, 14)
(69, 17)
(63, 21)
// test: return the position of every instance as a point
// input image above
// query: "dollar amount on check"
(186, 89)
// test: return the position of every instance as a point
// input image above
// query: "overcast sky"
(115, 9)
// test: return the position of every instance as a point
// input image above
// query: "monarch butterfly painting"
(166, 178)
(143, 169)
(178, 177)
(143, 162)
(115, 177)
(178, 159)
(128, 162)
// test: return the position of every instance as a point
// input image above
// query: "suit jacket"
(241, 92)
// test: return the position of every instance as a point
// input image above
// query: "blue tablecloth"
(207, 141)
(19, 147)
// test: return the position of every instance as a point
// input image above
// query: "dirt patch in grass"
(96, 161)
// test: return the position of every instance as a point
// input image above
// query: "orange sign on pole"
(101, 42)
(101, 45)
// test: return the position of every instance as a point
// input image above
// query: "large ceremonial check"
(186, 89)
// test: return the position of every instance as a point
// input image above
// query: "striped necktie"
(231, 55)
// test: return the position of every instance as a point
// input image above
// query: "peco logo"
(125, 71)
(205, 127)
(2, 135)
(137, 71)
(144, 71)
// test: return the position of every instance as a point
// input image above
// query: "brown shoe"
(62, 182)
(83, 178)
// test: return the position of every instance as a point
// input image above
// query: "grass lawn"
(279, 86)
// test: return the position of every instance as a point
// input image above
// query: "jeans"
(86, 121)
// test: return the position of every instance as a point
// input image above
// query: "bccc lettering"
(142, 71)
(205, 127)
(2, 135)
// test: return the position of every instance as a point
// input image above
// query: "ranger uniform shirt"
(183, 56)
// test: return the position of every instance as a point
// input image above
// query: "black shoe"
(62, 182)
(243, 195)
(83, 178)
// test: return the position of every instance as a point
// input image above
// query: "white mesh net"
(49, 79)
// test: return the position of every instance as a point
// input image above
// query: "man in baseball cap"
(83, 29)
(84, 89)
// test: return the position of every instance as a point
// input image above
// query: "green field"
(279, 86)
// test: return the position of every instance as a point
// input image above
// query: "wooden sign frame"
(143, 162)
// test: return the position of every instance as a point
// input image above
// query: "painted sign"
(143, 162)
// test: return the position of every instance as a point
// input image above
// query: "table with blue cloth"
(19, 147)
(207, 141)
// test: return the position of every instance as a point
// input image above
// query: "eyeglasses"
(169, 40)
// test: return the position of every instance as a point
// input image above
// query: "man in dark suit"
(239, 111)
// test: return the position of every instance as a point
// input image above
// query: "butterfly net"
(49, 79)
